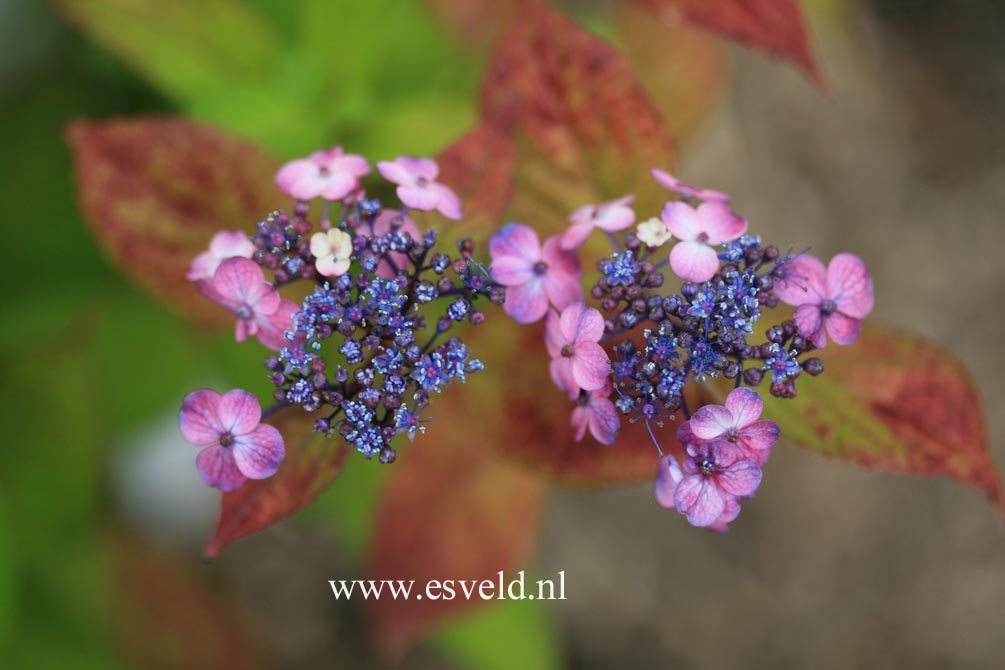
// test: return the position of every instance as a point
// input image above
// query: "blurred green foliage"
(87, 358)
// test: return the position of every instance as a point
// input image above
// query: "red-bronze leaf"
(585, 129)
(312, 463)
(774, 26)
(155, 190)
(452, 510)
(892, 401)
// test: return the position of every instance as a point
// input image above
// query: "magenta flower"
(417, 185)
(237, 446)
(595, 411)
(668, 181)
(225, 244)
(382, 226)
(577, 359)
(240, 286)
(837, 297)
(611, 216)
(669, 475)
(331, 174)
(534, 275)
(693, 258)
(714, 474)
(737, 422)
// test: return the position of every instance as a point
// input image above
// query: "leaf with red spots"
(479, 166)
(451, 510)
(774, 26)
(585, 129)
(312, 463)
(892, 401)
(155, 190)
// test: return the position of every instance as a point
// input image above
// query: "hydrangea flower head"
(577, 359)
(331, 174)
(417, 185)
(332, 250)
(595, 411)
(239, 285)
(670, 182)
(611, 217)
(236, 445)
(225, 244)
(534, 275)
(738, 422)
(653, 233)
(837, 297)
(699, 230)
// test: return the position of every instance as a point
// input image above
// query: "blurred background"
(102, 516)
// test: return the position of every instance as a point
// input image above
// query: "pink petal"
(745, 406)
(199, 419)
(849, 284)
(685, 435)
(449, 205)
(337, 185)
(583, 214)
(243, 329)
(395, 172)
(711, 422)
(512, 270)
(419, 197)
(515, 239)
(721, 525)
(590, 366)
(236, 278)
(263, 298)
(843, 329)
(668, 181)
(528, 302)
(699, 499)
(668, 475)
(229, 243)
(760, 435)
(805, 283)
(352, 163)
(616, 215)
(584, 324)
(217, 468)
(292, 173)
(553, 338)
(809, 323)
(682, 220)
(272, 328)
(720, 222)
(202, 267)
(665, 179)
(740, 479)
(580, 421)
(563, 277)
(694, 261)
(239, 412)
(604, 420)
(259, 453)
(576, 235)
(561, 373)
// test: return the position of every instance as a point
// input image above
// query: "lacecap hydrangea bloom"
(627, 350)
(365, 353)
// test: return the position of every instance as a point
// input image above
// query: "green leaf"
(505, 634)
(183, 47)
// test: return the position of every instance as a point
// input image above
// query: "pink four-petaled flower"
(693, 258)
(837, 297)
(239, 285)
(417, 185)
(738, 422)
(714, 474)
(237, 446)
(595, 411)
(668, 181)
(669, 475)
(577, 359)
(225, 244)
(533, 274)
(611, 216)
(331, 174)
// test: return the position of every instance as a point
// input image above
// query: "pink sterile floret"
(737, 422)
(225, 244)
(611, 216)
(694, 257)
(577, 359)
(596, 412)
(417, 185)
(331, 174)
